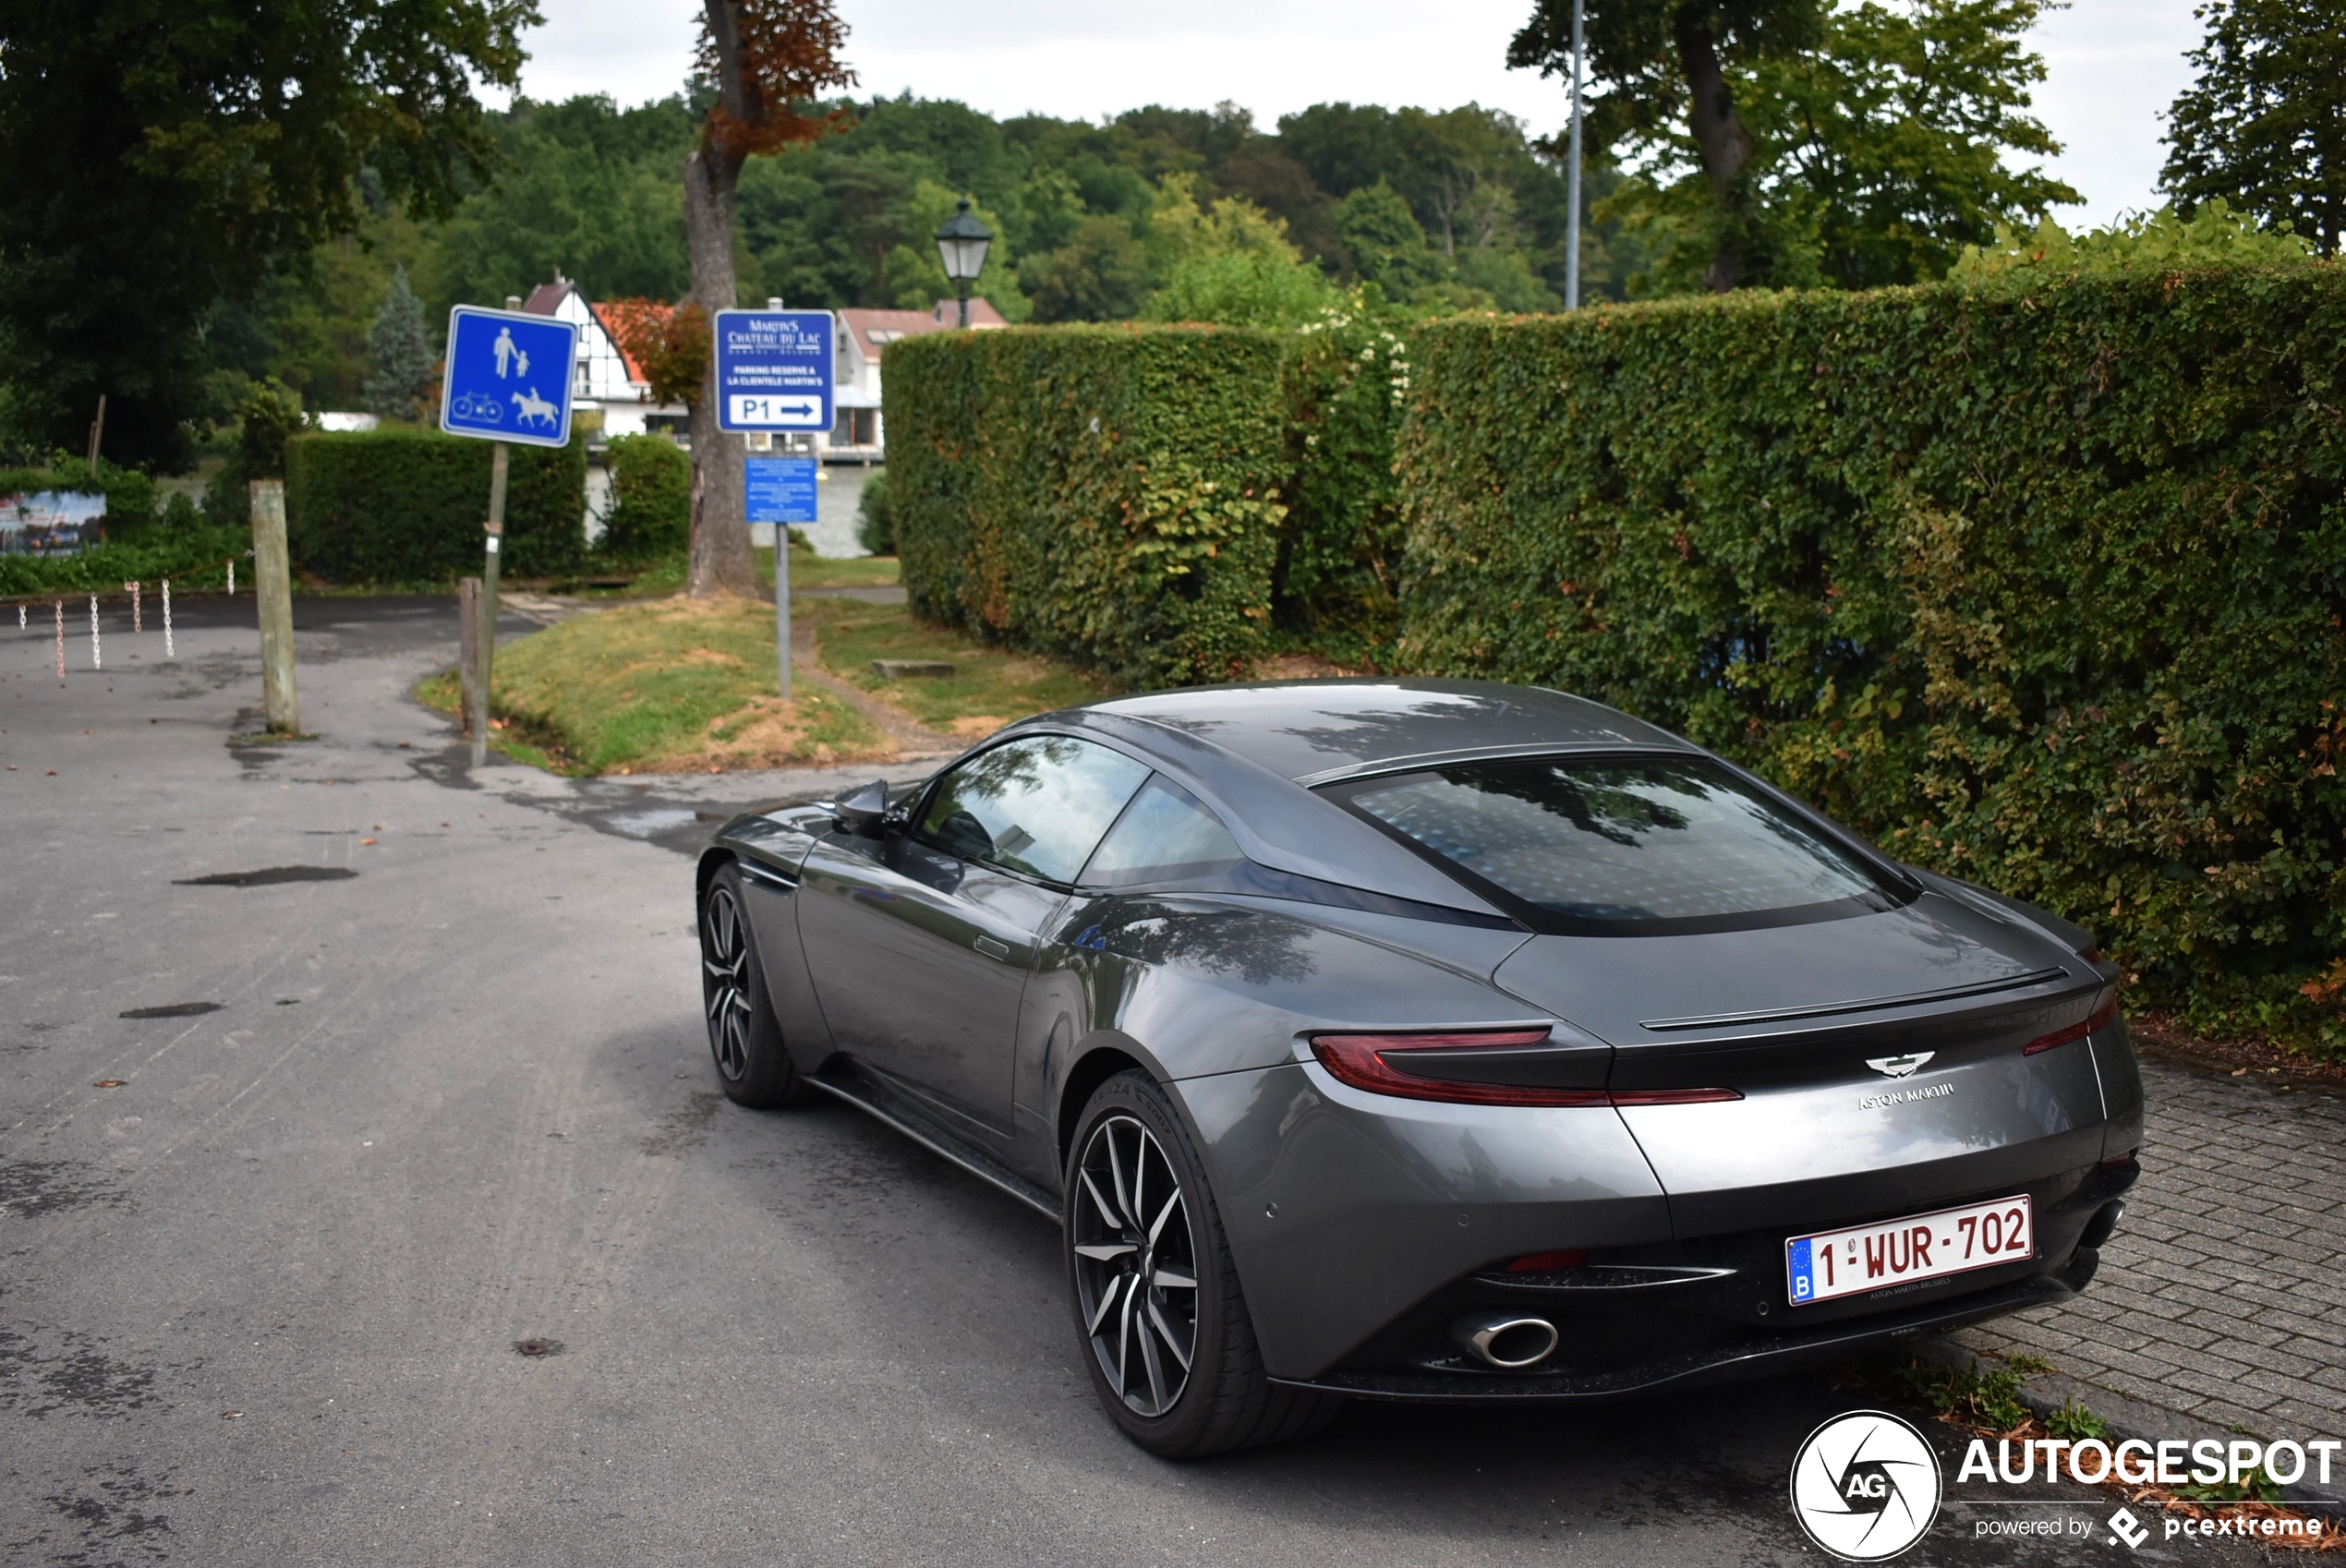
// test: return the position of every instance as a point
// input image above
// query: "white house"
(605, 377)
(857, 435)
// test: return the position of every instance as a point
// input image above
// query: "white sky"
(2113, 64)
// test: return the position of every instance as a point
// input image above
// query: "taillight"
(1547, 1262)
(1364, 1062)
(2101, 1016)
(1367, 1061)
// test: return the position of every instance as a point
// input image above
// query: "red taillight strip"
(2101, 1015)
(1360, 1060)
(1673, 1096)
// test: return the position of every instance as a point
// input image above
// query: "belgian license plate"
(1921, 1247)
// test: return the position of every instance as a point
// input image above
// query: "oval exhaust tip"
(1513, 1343)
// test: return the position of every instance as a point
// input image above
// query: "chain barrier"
(132, 591)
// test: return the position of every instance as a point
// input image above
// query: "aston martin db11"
(1432, 1039)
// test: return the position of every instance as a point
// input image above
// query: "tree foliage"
(157, 157)
(1855, 145)
(402, 354)
(2264, 126)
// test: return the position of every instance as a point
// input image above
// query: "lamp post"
(961, 245)
(1572, 200)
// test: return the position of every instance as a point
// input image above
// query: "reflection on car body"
(1424, 1040)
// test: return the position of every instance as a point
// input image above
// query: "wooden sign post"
(272, 585)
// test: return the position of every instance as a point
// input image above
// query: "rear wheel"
(743, 1036)
(1165, 1333)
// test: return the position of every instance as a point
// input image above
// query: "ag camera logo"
(1865, 1486)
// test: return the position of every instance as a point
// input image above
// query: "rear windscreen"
(1627, 844)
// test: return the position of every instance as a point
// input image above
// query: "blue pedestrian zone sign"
(774, 369)
(781, 489)
(508, 377)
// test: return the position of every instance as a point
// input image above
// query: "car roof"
(1312, 731)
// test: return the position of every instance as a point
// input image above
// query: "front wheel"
(1165, 1333)
(743, 1036)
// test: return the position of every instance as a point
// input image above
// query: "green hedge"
(2041, 586)
(1106, 493)
(406, 506)
(651, 484)
(1344, 385)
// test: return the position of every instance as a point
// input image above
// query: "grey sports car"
(1432, 1039)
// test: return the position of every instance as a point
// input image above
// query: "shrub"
(1107, 493)
(875, 523)
(269, 414)
(651, 484)
(1344, 385)
(2041, 584)
(408, 506)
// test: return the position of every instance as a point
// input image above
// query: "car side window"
(1038, 805)
(1166, 834)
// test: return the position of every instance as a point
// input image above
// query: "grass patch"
(987, 689)
(809, 570)
(666, 687)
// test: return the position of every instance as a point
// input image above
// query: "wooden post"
(467, 645)
(488, 633)
(272, 585)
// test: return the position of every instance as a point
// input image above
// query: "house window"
(857, 426)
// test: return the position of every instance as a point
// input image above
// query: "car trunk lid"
(1880, 1061)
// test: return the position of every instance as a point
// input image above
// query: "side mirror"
(863, 811)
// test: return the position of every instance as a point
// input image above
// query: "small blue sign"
(508, 377)
(781, 489)
(774, 369)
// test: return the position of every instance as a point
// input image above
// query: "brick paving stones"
(2223, 1295)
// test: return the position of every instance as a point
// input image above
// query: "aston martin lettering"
(1939, 1090)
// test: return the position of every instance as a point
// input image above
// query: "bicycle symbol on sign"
(479, 407)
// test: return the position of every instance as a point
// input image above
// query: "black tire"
(1132, 1312)
(743, 1036)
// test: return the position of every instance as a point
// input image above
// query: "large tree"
(1660, 64)
(157, 156)
(768, 61)
(1865, 145)
(2265, 125)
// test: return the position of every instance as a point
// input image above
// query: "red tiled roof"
(875, 329)
(609, 319)
(545, 297)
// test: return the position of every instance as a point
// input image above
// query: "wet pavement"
(275, 1250)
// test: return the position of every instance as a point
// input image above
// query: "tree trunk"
(721, 561)
(1719, 133)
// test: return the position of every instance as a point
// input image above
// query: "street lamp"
(961, 244)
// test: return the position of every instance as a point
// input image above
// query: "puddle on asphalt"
(650, 824)
(267, 876)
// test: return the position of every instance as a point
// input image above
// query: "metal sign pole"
(1572, 198)
(781, 584)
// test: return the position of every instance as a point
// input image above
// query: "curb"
(2127, 1416)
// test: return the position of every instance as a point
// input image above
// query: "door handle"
(991, 948)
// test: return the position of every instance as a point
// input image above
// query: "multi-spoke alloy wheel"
(1136, 1265)
(743, 1036)
(725, 982)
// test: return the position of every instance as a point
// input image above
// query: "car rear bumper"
(1370, 1230)
(1728, 1361)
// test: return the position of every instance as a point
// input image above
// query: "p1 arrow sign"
(774, 369)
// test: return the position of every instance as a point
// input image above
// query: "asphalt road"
(259, 1303)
